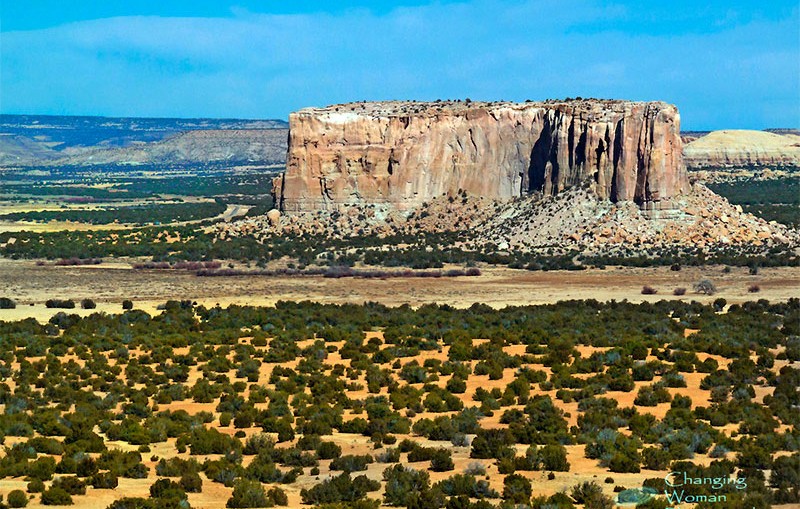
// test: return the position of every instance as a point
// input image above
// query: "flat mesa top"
(406, 108)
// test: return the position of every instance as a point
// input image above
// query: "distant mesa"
(743, 148)
(403, 154)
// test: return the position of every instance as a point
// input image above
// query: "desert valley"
(450, 304)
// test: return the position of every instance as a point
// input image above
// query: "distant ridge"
(31, 140)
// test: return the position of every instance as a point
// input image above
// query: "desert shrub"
(557, 501)
(785, 479)
(391, 455)
(553, 457)
(209, 441)
(176, 467)
(679, 291)
(35, 486)
(86, 467)
(134, 503)
(248, 494)
(466, 485)
(351, 462)
(328, 450)
(753, 288)
(719, 451)
(71, 485)
(339, 489)
(59, 303)
(167, 489)
(88, 304)
(56, 496)
(277, 496)
(17, 498)
(104, 480)
(127, 304)
(46, 445)
(516, 489)
(705, 286)
(441, 460)
(492, 443)
(649, 290)
(402, 483)
(475, 468)
(6, 303)
(191, 482)
(590, 494)
(655, 458)
(651, 395)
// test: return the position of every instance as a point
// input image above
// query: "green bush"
(59, 303)
(35, 486)
(191, 482)
(104, 481)
(248, 494)
(17, 498)
(56, 496)
(516, 489)
(71, 485)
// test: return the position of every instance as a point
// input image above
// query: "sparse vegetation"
(705, 286)
(376, 373)
(649, 290)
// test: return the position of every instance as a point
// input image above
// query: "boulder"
(274, 217)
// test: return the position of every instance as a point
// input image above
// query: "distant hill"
(32, 140)
(743, 148)
(231, 146)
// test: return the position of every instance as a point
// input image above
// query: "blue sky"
(725, 64)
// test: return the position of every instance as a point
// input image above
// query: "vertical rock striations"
(402, 154)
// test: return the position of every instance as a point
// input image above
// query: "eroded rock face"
(403, 154)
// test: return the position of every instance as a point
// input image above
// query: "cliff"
(741, 148)
(403, 154)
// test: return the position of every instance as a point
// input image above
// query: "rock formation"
(403, 154)
(741, 148)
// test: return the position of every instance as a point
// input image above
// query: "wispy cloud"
(740, 72)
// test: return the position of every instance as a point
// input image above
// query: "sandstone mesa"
(403, 154)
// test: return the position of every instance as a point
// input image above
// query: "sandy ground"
(109, 283)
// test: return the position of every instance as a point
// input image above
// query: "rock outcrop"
(403, 154)
(741, 148)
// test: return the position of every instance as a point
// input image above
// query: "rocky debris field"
(702, 219)
(575, 219)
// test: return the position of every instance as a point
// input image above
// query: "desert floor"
(109, 283)
(30, 285)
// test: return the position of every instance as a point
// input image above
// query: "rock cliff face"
(741, 148)
(403, 154)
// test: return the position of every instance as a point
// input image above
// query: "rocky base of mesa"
(574, 219)
(701, 220)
